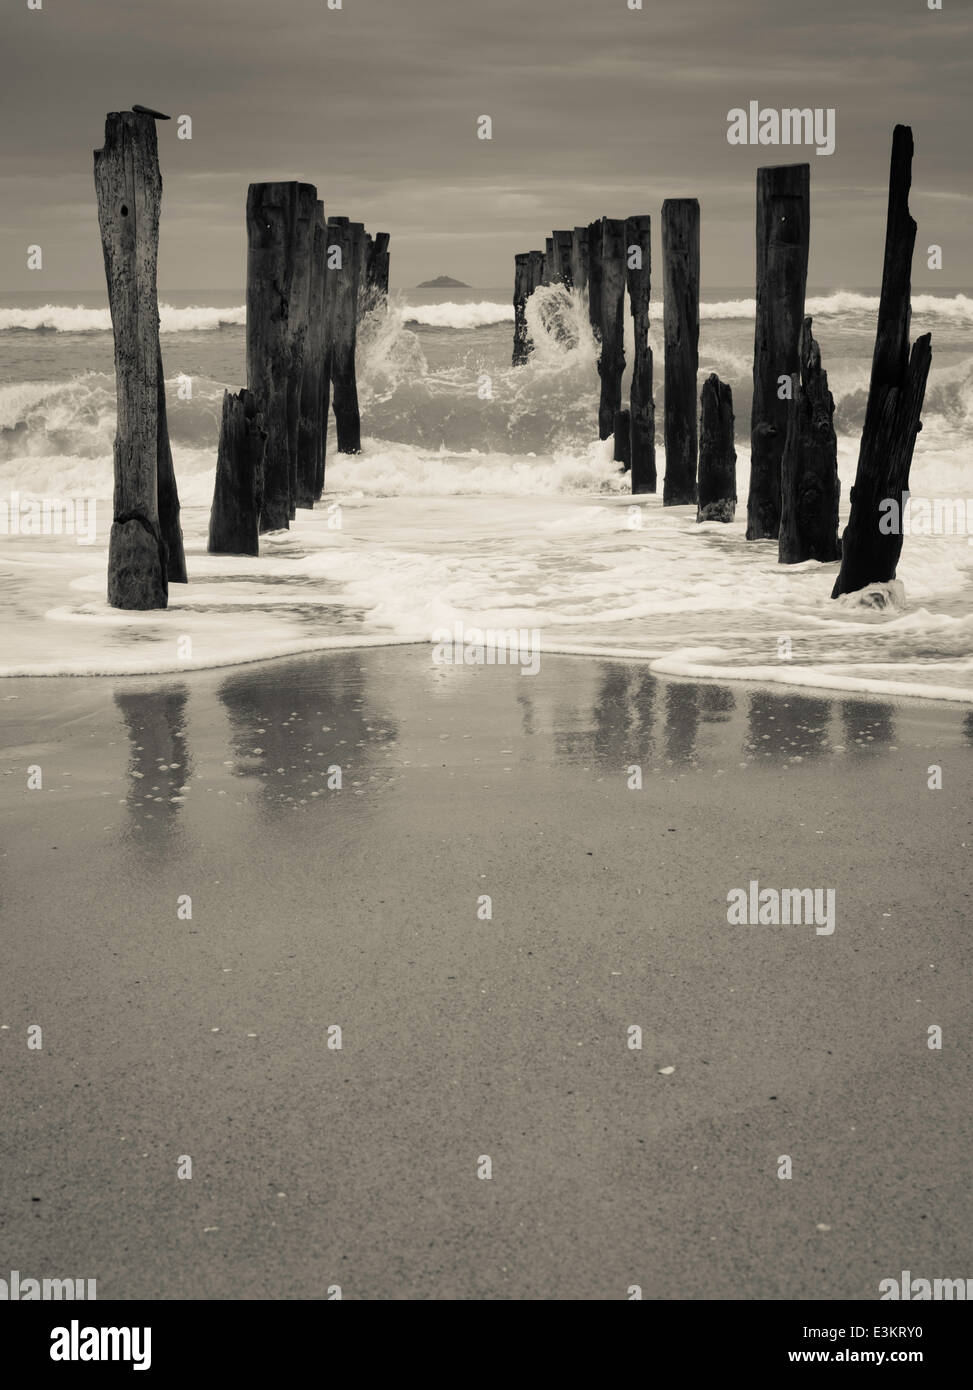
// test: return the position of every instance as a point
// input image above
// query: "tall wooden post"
(809, 486)
(595, 236)
(349, 238)
(271, 214)
(311, 441)
(717, 455)
(870, 548)
(622, 446)
(611, 364)
(128, 185)
(234, 520)
(638, 255)
(579, 258)
(301, 469)
(522, 291)
(783, 234)
(680, 288)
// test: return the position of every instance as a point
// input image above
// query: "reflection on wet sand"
(302, 726)
(160, 762)
(787, 727)
(619, 730)
(869, 725)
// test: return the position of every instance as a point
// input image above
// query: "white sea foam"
(66, 318)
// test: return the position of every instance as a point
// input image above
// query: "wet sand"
(462, 1037)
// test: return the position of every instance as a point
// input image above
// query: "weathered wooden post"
(871, 547)
(349, 239)
(550, 262)
(311, 434)
(622, 446)
(271, 214)
(535, 266)
(297, 325)
(638, 252)
(377, 271)
(595, 235)
(783, 234)
(717, 456)
(562, 253)
(809, 486)
(327, 327)
(611, 364)
(522, 292)
(680, 288)
(579, 258)
(128, 186)
(234, 520)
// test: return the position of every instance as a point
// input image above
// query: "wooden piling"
(642, 406)
(234, 520)
(870, 548)
(327, 328)
(611, 363)
(622, 449)
(783, 234)
(168, 493)
(680, 281)
(301, 477)
(311, 433)
(128, 185)
(535, 269)
(809, 486)
(550, 262)
(562, 254)
(349, 237)
(595, 234)
(271, 213)
(579, 258)
(521, 295)
(377, 271)
(717, 455)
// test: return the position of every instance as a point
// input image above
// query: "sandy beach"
(314, 906)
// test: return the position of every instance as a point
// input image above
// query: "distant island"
(443, 282)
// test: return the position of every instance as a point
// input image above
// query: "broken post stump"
(349, 239)
(311, 431)
(717, 455)
(301, 467)
(611, 364)
(128, 186)
(271, 215)
(809, 486)
(622, 451)
(522, 292)
(234, 519)
(579, 258)
(638, 254)
(680, 282)
(783, 234)
(870, 547)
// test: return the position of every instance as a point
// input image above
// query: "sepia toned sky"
(596, 108)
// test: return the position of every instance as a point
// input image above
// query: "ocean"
(482, 496)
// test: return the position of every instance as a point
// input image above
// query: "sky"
(597, 109)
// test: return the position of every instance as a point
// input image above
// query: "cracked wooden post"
(349, 237)
(522, 291)
(271, 213)
(717, 455)
(311, 433)
(680, 289)
(809, 486)
(128, 186)
(783, 234)
(870, 546)
(611, 364)
(638, 252)
(301, 468)
(234, 520)
(579, 258)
